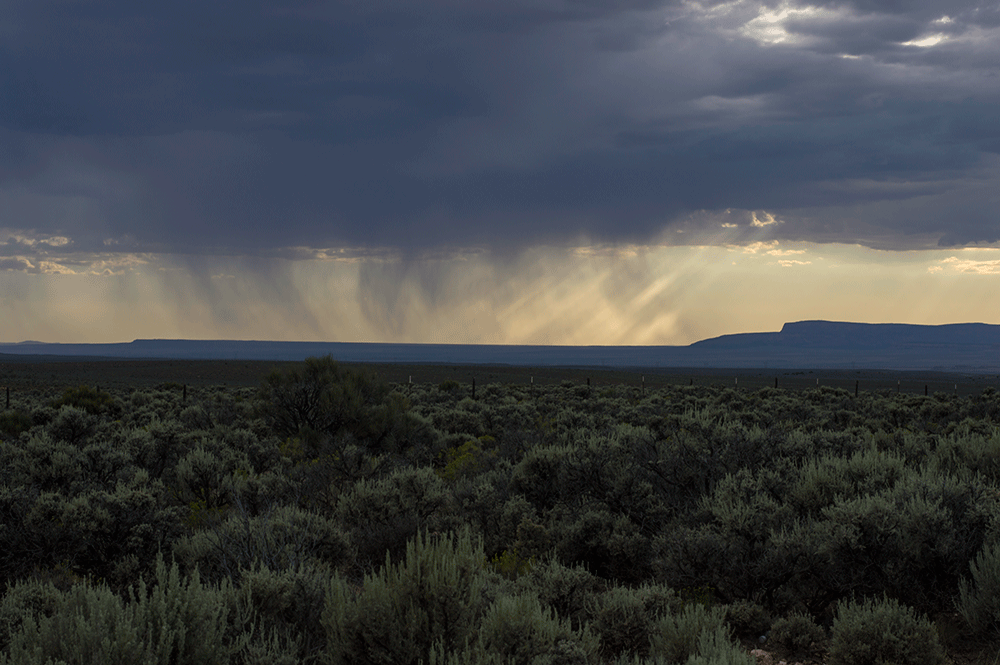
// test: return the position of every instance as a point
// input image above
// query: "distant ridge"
(972, 347)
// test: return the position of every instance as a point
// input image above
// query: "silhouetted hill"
(968, 346)
(813, 344)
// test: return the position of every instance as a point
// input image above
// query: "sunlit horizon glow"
(581, 295)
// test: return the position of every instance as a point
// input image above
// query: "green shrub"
(44, 463)
(520, 628)
(431, 598)
(913, 541)
(91, 400)
(510, 564)
(321, 396)
(872, 632)
(608, 544)
(570, 591)
(696, 634)
(281, 611)
(100, 532)
(747, 618)
(25, 599)
(622, 620)
(466, 460)
(14, 422)
(381, 515)
(282, 538)
(797, 632)
(979, 601)
(449, 386)
(176, 620)
(199, 477)
(180, 620)
(90, 626)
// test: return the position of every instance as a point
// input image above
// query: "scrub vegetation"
(328, 517)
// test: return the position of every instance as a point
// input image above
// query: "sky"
(495, 171)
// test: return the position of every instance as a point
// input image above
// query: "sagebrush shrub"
(90, 626)
(434, 596)
(522, 629)
(797, 632)
(611, 545)
(381, 515)
(282, 611)
(281, 538)
(871, 632)
(620, 619)
(570, 591)
(25, 599)
(13, 422)
(747, 618)
(696, 634)
(979, 600)
(91, 400)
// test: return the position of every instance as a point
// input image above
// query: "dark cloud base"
(240, 128)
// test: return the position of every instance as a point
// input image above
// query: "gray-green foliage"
(281, 613)
(522, 629)
(979, 600)
(91, 626)
(570, 591)
(200, 477)
(433, 596)
(797, 632)
(767, 500)
(624, 618)
(382, 514)
(72, 425)
(872, 632)
(100, 530)
(321, 400)
(696, 634)
(175, 620)
(280, 538)
(25, 599)
(747, 618)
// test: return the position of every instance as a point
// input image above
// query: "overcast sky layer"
(521, 171)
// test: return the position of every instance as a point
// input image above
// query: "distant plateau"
(965, 347)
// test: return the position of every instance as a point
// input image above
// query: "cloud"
(16, 263)
(766, 219)
(971, 266)
(298, 129)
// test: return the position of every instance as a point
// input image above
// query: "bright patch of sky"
(769, 26)
(640, 294)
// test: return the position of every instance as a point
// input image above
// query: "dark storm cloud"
(245, 126)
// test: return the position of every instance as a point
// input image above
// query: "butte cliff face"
(971, 347)
(872, 345)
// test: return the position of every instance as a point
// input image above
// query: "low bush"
(281, 538)
(176, 620)
(27, 599)
(979, 600)
(797, 632)
(747, 618)
(520, 628)
(431, 599)
(696, 634)
(570, 591)
(625, 618)
(91, 400)
(14, 422)
(871, 632)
